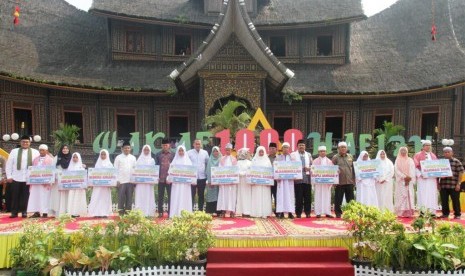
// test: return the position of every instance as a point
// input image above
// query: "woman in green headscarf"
(212, 191)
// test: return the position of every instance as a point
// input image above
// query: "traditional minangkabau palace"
(163, 65)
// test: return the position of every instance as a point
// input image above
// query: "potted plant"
(187, 239)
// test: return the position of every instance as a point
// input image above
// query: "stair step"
(279, 269)
(285, 255)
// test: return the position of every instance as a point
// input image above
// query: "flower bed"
(122, 245)
(159, 271)
(370, 271)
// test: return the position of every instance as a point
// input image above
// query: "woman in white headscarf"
(244, 190)
(227, 193)
(366, 190)
(144, 194)
(385, 182)
(100, 202)
(261, 194)
(77, 202)
(181, 195)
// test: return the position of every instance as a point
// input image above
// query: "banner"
(325, 174)
(260, 176)
(367, 169)
(225, 175)
(145, 174)
(287, 170)
(72, 180)
(183, 174)
(40, 175)
(435, 168)
(102, 177)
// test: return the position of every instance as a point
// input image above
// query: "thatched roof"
(389, 52)
(393, 52)
(270, 12)
(57, 43)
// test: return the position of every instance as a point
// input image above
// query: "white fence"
(153, 271)
(369, 271)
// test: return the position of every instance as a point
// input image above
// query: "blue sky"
(371, 7)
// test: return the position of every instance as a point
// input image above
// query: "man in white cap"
(285, 188)
(427, 188)
(346, 177)
(450, 186)
(16, 170)
(322, 191)
(39, 195)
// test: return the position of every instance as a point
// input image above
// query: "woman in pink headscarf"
(404, 169)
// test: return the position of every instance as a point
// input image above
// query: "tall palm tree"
(227, 118)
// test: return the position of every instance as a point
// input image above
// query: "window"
(126, 124)
(324, 45)
(182, 45)
(281, 124)
(75, 118)
(134, 42)
(177, 125)
(278, 45)
(334, 125)
(23, 121)
(380, 119)
(429, 121)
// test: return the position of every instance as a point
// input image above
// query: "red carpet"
(279, 261)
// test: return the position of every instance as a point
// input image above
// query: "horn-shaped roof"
(233, 19)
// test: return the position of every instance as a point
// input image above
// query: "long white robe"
(261, 194)
(427, 190)
(58, 198)
(385, 190)
(144, 193)
(285, 197)
(181, 194)
(100, 201)
(39, 195)
(366, 190)
(322, 191)
(244, 190)
(77, 201)
(227, 194)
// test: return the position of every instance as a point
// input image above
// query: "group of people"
(392, 190)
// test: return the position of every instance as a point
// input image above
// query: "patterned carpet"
(233, 228)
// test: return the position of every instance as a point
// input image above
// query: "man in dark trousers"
(346, 177)
(450, 186)
(16, 170)
(163, 159)
(272, 149)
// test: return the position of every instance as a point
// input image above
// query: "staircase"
(288, 261)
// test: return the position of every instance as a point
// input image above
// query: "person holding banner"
(199, 158)
(100, 205)
(285, 190)
(163, 159)
(145, 196)
(39, 195)
(272, 150)
(244, 190)
(227, 193)
(427, 188)
(212, 191)
(59, 198)
(16, 170)
(181, 194)
(261, 194)
(366, 190)
(404, 169)
(322, 191)
(303, 187)
(346, 177)
(125, 163)
(385, 182)
(77, 201)
(450, 186)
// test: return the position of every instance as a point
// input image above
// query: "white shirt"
(11, 165)
(200, 160)
(125, 164)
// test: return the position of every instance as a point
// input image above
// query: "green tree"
(389, 130)
(65, 135)
(228, 118)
